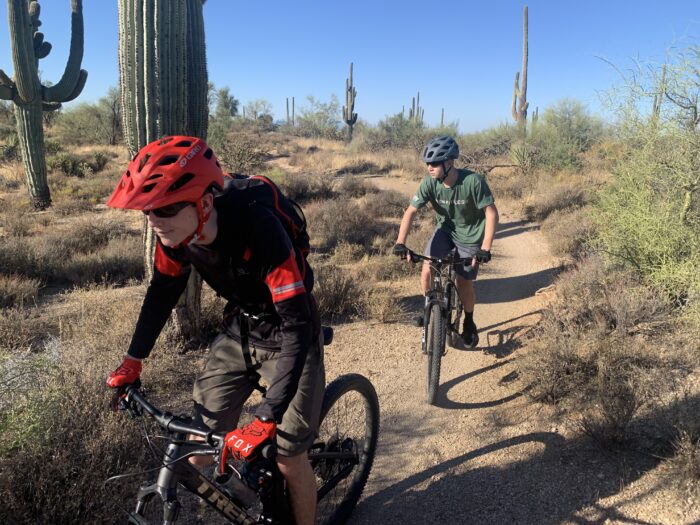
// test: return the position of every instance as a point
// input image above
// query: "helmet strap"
(444, 173)
(203, 218)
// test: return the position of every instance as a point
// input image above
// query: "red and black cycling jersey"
(253, 265)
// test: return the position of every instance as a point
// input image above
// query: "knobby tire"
(349, 421)
(435, 346)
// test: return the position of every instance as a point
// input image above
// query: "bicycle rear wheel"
(342, 456)
(435, 345)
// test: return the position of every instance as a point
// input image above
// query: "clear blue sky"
(460, 55)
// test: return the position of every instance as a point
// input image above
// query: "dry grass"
(569, 232)
(337, 291)
(339, 220)
(608, 351)
(17, 290)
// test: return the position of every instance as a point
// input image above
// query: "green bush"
(648, 219)
(319, 119)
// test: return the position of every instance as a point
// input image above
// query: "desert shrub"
(337, 292)
(17, 225)
(385, 268)
(25, 329)
(564, 131)
(395, 131)
(16, 290)
(345, 252)
(306, 187)
(381, 304)
(333, 221)
(9, 151)
(241, 154)
(385, 203)
(65, 163)
(569, 232)
(476, 148)
(608, 352)
(116, 263)
(683, 468)
(276, 175)
(354, 186)
(510, 185)
(647, 219)
(319, 119)
(547, 196)
(98, 123)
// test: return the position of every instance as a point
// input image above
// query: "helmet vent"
(147, 188)
(208, 154)
(168, 160)
(164, 140)
(127, 174)
(179, 183)
(155, 176)
(143, 161)
(183, 144)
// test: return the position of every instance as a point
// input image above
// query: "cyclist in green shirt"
(466, 219)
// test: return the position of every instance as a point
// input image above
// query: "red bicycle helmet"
(172, 169)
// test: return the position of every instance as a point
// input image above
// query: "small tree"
(319, 119)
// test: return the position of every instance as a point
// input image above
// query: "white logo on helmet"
(189, 155)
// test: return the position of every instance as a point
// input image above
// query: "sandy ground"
(486, 454)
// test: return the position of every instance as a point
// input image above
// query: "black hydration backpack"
(259, 190)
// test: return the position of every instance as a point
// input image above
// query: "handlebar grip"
(414, 257)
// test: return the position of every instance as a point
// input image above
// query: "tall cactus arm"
(72, 75)
(41, 48)
(82, 78)
(23, 48)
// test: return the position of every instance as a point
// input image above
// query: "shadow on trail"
(443, 400)
(510, 229)
(535, 478)
(548, 487)
(506, 289)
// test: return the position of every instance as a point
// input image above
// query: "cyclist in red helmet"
(245, 254)
(466, 218)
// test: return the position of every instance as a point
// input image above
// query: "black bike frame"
(177, 470)
(437, 294)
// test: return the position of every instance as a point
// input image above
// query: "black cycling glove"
(400, 250)
(483, 256)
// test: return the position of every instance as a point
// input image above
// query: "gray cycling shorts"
(223, 388)
(441, 244)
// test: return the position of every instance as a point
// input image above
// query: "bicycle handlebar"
(451, 259)
(173, 423)
(168, 421)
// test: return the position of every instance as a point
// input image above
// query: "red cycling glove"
(243, 443)
(127, 373)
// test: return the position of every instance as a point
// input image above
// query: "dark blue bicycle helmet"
(441, 149)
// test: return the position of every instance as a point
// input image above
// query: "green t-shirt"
(459, 210)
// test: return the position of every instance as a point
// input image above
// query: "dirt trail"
(485, 454)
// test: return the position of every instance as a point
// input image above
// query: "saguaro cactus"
(348, 116)
(30, 97)
(163, 72)
(416, 113)
(519, 109)
(163, 84)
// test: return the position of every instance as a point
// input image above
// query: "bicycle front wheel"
(344, 453)
(455, 316)
(435, 346)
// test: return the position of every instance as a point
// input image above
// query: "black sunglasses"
(166, 212)
(434, 164)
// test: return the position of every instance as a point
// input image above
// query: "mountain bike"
(441, 317)
(254, 492)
